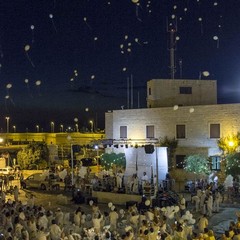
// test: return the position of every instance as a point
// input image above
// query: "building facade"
(181, 92)
(191, 115)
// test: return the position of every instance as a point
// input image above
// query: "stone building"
(186, 110)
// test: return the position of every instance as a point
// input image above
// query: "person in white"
(217, 200)
(97, 220)
(182, 205)
(59, 217)
(55, 231)
(113, 216)
(42, 221)
(196, 200)
(202, 223)
(202, 202)
(209, 204)
(119, 179)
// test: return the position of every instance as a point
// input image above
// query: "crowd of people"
(25, 220)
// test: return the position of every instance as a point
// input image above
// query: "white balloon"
(177, 38)
(191, 110)
(85, 19)
(75, 119)
(110, 204)
(32, 27)
(26, 80)
(147, 202)
(205, 73)
(86, 109)
(93, 76)
(38, 83)
(200, 19)
(9, 85)
(51, 15)
(215, 38)
(7, 97)
(175, 107)
(27, 48)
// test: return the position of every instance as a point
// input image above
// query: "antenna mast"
(172, 29)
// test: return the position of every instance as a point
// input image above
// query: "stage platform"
(116, 198)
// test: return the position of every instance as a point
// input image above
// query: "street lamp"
(61, 128)
(37, 128)
(14, 128)
(52, 127)
(7, 118)
(91, 123)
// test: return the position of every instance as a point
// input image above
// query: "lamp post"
(37, 128)
(14, 129)
(7, 119)
(52, 127)
(91, 124)
(61, 128)
(76, 126)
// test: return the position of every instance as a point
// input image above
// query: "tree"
(232, 166)
(197, 164)
(110, 159)
(35, 153)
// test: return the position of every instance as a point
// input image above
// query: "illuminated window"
(216, 163)
(180, 160)
(215, 130)
(150, 131)
(180, 131)
(123, 131)
(185, 90)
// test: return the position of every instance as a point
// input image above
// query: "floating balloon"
(93, 77)
(75, 119)
(205, 73)
(26, 49)
(175, 107)
(9, 85)
(32, 28)
(215, 38)
(38, 83)
(191, 110)
(86, 109)
(52, 21)
(86, 22)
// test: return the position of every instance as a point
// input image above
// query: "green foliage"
(110, 159)
(34, 153)
(197, 164)
(229, 144)
(232, 164)
(171, 144)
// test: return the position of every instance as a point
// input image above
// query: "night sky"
(69, 61)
